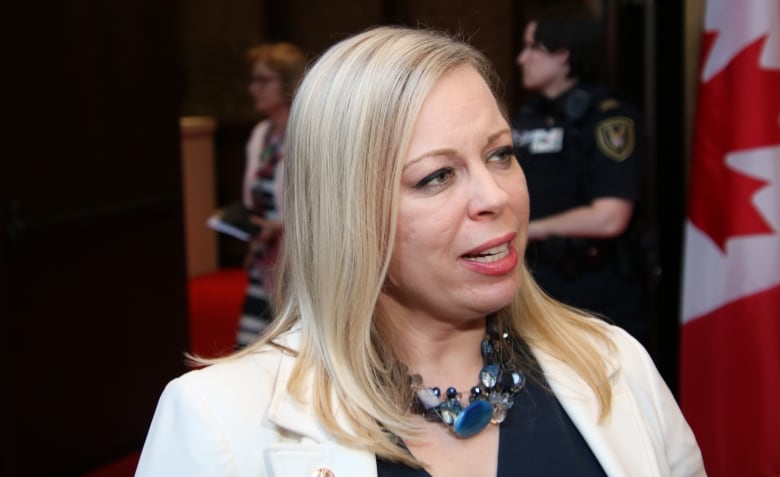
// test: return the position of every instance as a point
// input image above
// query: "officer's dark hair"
(574, 27)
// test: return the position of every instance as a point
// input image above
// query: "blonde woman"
(406, 220)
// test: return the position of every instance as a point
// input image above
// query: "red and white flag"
(730, 342)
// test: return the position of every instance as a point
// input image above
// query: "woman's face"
(541, 69)
(463, 210)
(265, 86)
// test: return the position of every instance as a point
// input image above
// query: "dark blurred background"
(93, 269)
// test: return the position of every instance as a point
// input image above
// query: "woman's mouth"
(492, 254)
(496, 257)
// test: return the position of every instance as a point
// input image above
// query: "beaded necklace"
(489, 401)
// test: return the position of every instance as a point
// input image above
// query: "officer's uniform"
(579, 147)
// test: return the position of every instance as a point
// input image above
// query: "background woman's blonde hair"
(349, 128)
(284, 59)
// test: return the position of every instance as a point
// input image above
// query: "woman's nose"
(488, 197)
(520, 59)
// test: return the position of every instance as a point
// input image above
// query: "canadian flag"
(730, 341)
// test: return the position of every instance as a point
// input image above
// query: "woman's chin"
(495, 299)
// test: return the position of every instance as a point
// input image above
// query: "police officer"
(579, 147)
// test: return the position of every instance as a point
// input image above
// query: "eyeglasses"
(263, 80)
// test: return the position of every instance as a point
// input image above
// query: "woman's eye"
(435, 179)
(502, 155)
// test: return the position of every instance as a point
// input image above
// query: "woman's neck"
(558, 88)
(278, 119)
(445, 354)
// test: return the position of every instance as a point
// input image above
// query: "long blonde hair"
(349, 128)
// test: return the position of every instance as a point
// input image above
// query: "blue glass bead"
(451, 393)
(436, 391)
(473, 419)
(519, 382)
(500, 410)
(489, 375)
(452, 405)
(450, 410)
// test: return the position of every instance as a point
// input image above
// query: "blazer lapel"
(306, 446)
(620, 442)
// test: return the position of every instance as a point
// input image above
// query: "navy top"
(537, 439)
(581, 146)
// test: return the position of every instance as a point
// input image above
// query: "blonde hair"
(284, 59)
(349, 128)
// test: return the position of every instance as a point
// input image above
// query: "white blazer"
(237, 419)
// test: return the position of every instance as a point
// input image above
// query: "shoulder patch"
(608, 104)
(616, 137)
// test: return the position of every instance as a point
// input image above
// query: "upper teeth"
(492, 254)
(497, 249)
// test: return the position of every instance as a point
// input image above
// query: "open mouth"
(492, 254)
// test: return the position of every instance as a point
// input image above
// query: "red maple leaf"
(738, 109)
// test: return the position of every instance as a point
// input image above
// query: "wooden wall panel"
(489, 26)
(315, 25)
(213, 38)
(94, 309)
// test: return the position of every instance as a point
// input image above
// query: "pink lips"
(496, 257)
